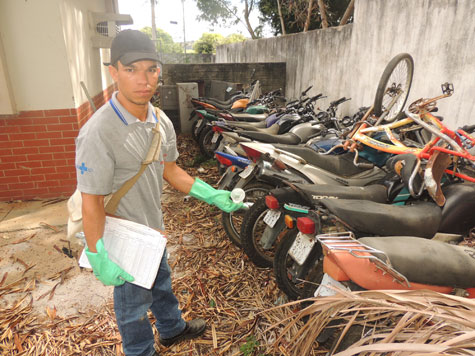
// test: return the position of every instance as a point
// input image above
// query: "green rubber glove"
(220, 198)
(108, 272)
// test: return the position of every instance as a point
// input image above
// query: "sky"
(172, 10)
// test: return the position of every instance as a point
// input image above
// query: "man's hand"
(109, 273)
(219, 198)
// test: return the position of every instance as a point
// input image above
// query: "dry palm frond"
(382, 322)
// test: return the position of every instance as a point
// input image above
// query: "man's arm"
(93, 218)
(177, 177)
(185, 183)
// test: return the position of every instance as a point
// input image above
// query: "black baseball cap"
(130, 46)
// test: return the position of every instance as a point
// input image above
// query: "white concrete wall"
(34, 54)
(84, 61)
(48, 52)
(348, 61)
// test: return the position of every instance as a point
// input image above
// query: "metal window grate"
(102, 28)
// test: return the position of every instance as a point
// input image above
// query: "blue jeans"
(131, 304)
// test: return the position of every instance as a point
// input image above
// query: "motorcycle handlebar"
(339, 101)
(306, 90)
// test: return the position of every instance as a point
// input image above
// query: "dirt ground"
(212, 278)
(34, 248)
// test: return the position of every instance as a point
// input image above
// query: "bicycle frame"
(425, 119)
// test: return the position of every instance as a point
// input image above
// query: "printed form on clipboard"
(136, 248)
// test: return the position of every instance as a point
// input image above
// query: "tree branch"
(323, 14)
(309, 15)
(282, 24)
(348, 13)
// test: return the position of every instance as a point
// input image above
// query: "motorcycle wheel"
(232, 222)
(207, 147)
(252, 230)
(394, 83)
(292, 278)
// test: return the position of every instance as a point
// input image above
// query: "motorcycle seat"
(234, 137)
(428, 261)
(341, 165)
(251, 126)
(316, 192)
(287, 138)
(249, 117)
(422, 219)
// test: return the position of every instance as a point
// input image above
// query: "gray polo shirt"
(110, 149)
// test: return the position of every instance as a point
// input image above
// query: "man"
(110, 149)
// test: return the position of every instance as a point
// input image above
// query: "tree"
(207, 43)
(233, 38)
(165, 43)
(216, 11)
(302, 15)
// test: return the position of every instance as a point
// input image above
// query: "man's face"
(136, 82)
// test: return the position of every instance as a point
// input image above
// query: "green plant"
(250, 346)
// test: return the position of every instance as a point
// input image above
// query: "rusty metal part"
(433, 173)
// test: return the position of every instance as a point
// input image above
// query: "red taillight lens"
(251, 153)
(306, 225)
(223, 160)
(272, 202)
(217, 129)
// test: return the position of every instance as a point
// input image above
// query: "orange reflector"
(289, 221)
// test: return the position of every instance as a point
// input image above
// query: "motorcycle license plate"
(271, 217)
(215, 137)
(197, 127)
(301, 247)
(247, 171)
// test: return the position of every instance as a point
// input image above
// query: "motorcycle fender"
(229, 178)
(326, 287)
(242, 182)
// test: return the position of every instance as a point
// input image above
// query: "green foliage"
(165, 43)
(207, 43)
(215, 11)
(250, 346)
(235, 37)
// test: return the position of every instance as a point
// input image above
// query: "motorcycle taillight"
(272, 202)
(306, 225)
(251, 153)
(217, 129)
(223, 160)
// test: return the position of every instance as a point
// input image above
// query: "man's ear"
(113, 71)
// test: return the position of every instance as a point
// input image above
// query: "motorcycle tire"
(207, 147)
(291, 278)
(232, 222)
(252, 229)
(395, 80)
(193, 128)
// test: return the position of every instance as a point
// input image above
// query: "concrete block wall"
(37, 151)
(270, 75)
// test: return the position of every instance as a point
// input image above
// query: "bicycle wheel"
(292, 278)
(232, 222)
(393, 88)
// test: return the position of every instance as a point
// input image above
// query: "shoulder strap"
(152, 155)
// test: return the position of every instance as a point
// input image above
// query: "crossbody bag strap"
(152, 155)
